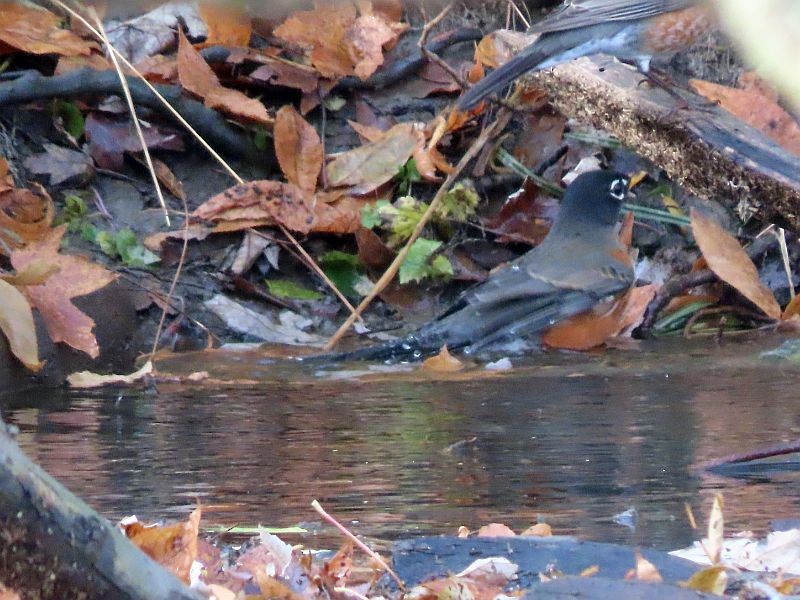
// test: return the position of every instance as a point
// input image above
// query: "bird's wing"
(582, 13)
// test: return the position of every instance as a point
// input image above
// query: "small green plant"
(283, 288)
(422, 261)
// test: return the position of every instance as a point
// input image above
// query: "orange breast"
(678, 29)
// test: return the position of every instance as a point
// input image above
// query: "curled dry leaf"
(298, 148)
(25, 216)
(731, 264)
(282, 203)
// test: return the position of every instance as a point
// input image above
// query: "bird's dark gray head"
(595, 197)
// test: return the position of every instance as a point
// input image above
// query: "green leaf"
(71, 116)
(105, 240)
(459, 203)
(283, 288)
(343, 269)
(260, 139)
(371, 214)
(407, 213)
(408, 174)
(88, 232)
(418, 264)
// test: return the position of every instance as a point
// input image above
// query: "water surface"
(573, 439)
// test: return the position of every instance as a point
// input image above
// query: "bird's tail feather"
(502, 76)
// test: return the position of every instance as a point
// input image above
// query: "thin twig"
(470, 154)
(435, 58)
(132, 109)
(372, 554)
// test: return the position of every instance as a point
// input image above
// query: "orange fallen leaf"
(298, 148)
(755, 109)
(496, 530)
(198, 78)
(366, 38)
(645, 570)
(228, 24)
(25, 216)
(731, 264)
(76, 276)
(36, 30)
(173, 546)
(444, 362)
(538, 530)
(282, 203)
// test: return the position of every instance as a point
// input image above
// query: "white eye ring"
(618, 189)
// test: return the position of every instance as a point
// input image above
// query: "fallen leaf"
(499, 46)
(366, 38)
(228, 24)
(731, 264)
(87, 379)
(16, 322)
(646, 571)
(279, 202)
(755, 109)
(286, 74)
(173, 547)
(444, 362)
(197, 77)
(712, 580)
(538, 530)
(25, 216)
(716, 531)
(496, 530)
(367, 167)
(298, 148)
(77, 276)
(588, 329)
(109, 139)
(37, 31)
(61, 165)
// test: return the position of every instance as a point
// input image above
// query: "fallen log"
(55, 546)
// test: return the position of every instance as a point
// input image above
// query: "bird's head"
(594, 198)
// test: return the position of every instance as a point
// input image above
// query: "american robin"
(579, 264)
(631, 30)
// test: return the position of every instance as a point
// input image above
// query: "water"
(573, 439)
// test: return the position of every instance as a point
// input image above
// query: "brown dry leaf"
(87, 379)
(638, 300)
(588, 329)
(286, 74)
(444, 362)
(755, 109)
(228, 24)
(366, 38)
(424, 160)
(298, 148)
(538, 530)
(496, 530)
(25, 216)
(37, 31)
(391, 10)
(173, 547)
(368, 133)
(372, 252)
(731, 264)
(341, 216)
(110, 138)
(322, 33)
(336, 571)
(97, 62)
(274, 589)
(16, 322)
(77, 276)
(281, 203)
(198, 78)
(645, 570)
(196, 231)
(34, 273)
(369, 166)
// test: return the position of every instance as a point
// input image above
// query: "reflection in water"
(571, 439)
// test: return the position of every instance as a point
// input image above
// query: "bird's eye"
(618, 189)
